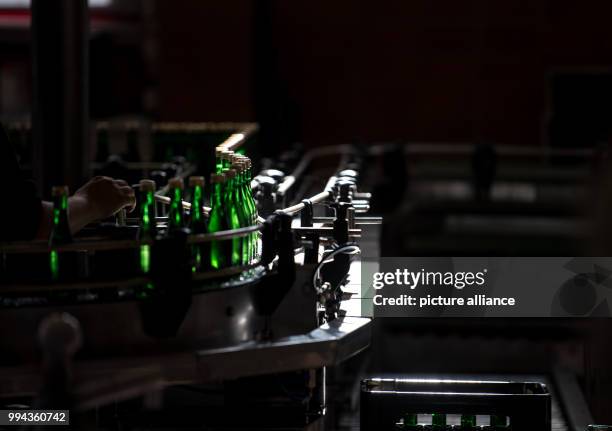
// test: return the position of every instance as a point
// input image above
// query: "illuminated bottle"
(220, 251)
(226, 160)
(176, 215)
(234, 215)
(148, 226)
(253, 204)
(60, 228)
(245, 208)
(198, 222)
(499, 422)
(148, 212)
(438, 421)
(410, 421)
(468, 421)
(218, 160)
(197, 218)
(245, 188)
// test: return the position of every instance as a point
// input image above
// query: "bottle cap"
(217, 178)
(274, 173)
(59, 190)
(237, 158)
(231, 173)
(196, 181)
(176, 182)
(147, 185)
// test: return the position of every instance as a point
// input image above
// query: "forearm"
(101, 197)
(79, 215)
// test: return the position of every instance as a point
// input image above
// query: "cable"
(349, 248)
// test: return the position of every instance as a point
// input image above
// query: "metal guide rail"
(88, 247)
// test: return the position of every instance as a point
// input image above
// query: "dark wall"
(204, 60)
(441, 70)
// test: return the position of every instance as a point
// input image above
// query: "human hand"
(104, 196)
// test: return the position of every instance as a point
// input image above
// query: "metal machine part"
(520, 405)
(250, 322)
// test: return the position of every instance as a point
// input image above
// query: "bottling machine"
(288, 340)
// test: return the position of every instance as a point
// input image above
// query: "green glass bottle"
(220, 251)
(197, 218)
(245, 209)
(233, 214)
(253, 204)
(60, 228)
(411, 420)
(148, 225)
(246, 193)
(218, 160)
(499, 422)
(198, 223)
(226, 160)
(438, 421)
(176, 215)
(468, 421)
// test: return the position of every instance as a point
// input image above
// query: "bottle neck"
(60, 209)
(229, 186)
(147, 213)
(175, 217)
(60, 231)
(197, 201)
(218, 164)
(217, 195)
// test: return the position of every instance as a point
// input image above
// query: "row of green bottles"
(239, 202)
(232, 207)
(220, 251)
(236, 216)
(245, 196)
(196, 223)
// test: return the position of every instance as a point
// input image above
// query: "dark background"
(327, 71)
